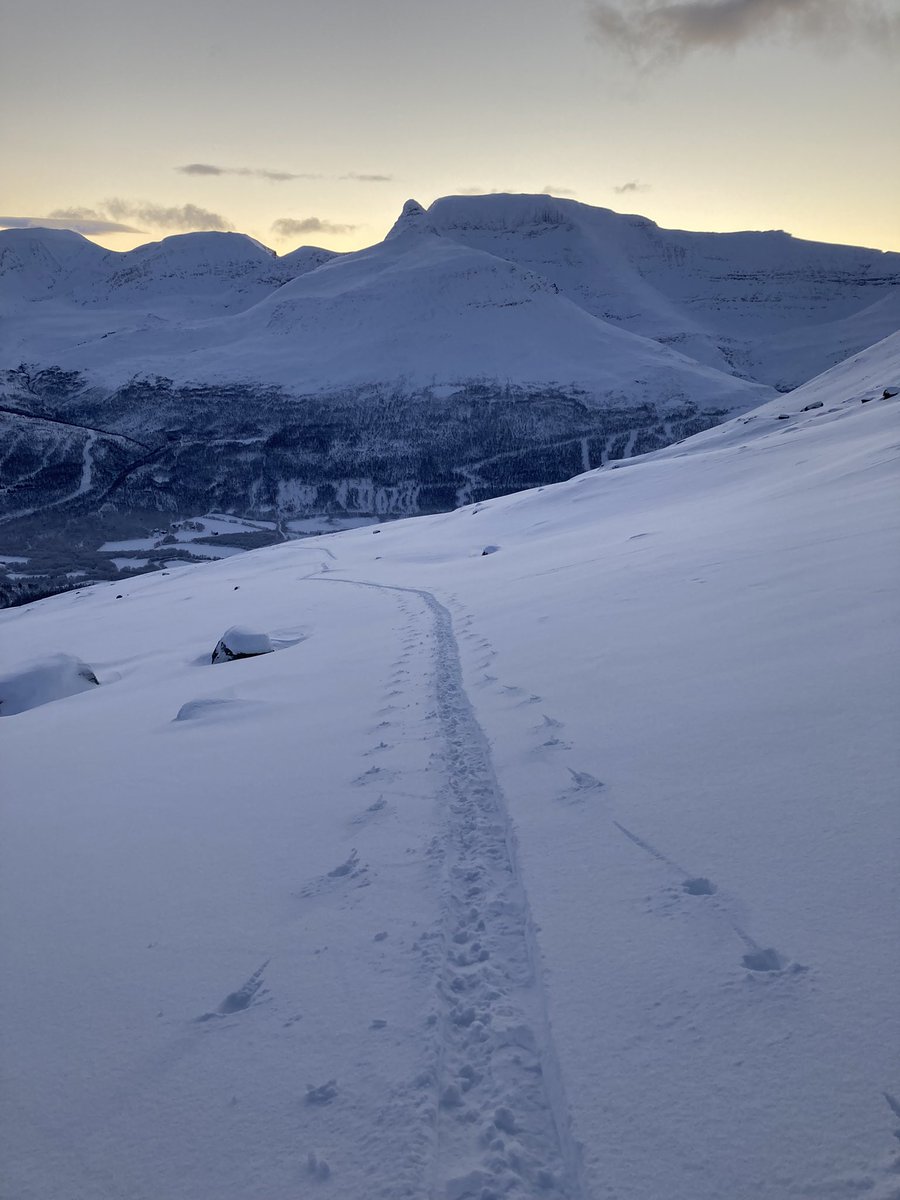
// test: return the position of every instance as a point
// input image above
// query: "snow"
(42, 681)
(129, 564)
(148, 543)
(186, 535)
(328, 524)
(569, 870)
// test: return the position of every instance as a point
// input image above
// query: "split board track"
(500, 1120)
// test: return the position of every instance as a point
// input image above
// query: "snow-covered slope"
(36, 264)
(202, 273)
(564, 870)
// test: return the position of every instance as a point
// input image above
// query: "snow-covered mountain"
(202, 274)
(740, 303)
(488, 344)
(551, 852)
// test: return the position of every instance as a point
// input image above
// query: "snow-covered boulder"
(45, 679)
(241, 642)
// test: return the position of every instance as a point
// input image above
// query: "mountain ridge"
(738, 302)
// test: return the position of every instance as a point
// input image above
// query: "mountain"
(487, 345)
(737, 303)
(740, 302)
(417, 311)
(551, 852)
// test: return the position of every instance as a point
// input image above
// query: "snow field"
(567, 870)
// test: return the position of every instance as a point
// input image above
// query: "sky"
(304, 123)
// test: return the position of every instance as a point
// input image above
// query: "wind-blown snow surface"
(568, 870)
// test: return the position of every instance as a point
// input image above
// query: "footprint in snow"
(317, 1167)
(370, 813)
(377, 749)
(583, 781)
(547, 723)
(347, 870)
(554, 743)
(768, 961)
(246, 995)
(323, 1094)
(349, 867)
(700, 886)
(373, 775)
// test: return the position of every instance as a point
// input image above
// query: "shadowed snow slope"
(567, 870)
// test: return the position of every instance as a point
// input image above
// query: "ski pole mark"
(760, 959)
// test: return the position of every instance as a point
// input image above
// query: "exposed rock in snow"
(241, 642)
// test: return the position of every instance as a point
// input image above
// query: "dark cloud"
(77, 214)
(286, 227)
(282, 176)
(480, 191)
(631, 186)
(553, 189)
(183, 218)
(653, 30)
(368, 178)
(258, 172)
(68, 219)
(112, 217)
(202, 169)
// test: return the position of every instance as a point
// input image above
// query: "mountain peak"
(409, 218)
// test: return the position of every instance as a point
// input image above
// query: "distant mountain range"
(487, 344)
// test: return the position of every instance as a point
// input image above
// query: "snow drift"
(42, 681)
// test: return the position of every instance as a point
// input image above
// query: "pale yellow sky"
(764, 121)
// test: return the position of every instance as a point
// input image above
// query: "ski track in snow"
(499, 1121)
